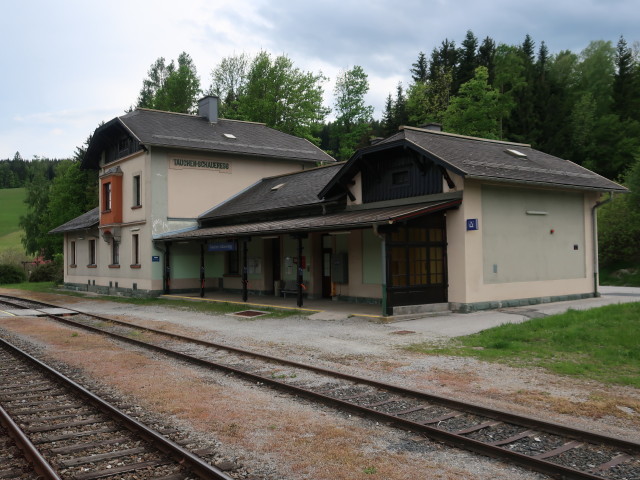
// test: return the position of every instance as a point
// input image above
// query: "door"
(416, 262)
(326, 272)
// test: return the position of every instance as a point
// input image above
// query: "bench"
(289, 286)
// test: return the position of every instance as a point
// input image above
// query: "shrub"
(11, 274)
(48, 272)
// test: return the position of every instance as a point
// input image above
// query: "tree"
(487, 56)
(444, 58)
(428, 101)
(228, 79)
(170, 88)
(626, 83)
(468, 58)
(619, 223)
(509, 80)
(33, 223)
(420, 70)
(596, 71)
(282, 96)
(475, 111)
(353, 116)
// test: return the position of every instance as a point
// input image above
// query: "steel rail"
(453, 439)
(32, 454)
(522, 420)
(168, 447)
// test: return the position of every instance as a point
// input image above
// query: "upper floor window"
(137, 191)
(123, 147)
(106, 197)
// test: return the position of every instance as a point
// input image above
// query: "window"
(137, 191)
(135, 249)
(115, 252)
(106, 197)
(400, 178)
(92, 252)
(72, 253)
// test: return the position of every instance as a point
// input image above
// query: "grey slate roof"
(84, 221)
(299, 189)
(488, 160)
(176, 130)
(334, 221)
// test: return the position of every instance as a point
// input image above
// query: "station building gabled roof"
(293, 190)
(484, 159)
(192, 132)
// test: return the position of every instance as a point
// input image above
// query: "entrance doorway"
(416, 254)
(326, 272)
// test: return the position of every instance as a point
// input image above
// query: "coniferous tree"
(420, 70)
(468, 59)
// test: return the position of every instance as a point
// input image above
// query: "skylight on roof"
(277, 187)
(516, 153)
(229, 135)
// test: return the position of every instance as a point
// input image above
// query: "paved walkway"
(447, 325)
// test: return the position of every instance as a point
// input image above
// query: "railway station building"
(421, 218)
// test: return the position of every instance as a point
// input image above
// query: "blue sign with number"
(472, 224)
(155, 258)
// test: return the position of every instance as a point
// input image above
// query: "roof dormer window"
(229, 135)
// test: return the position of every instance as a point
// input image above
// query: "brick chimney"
(208, 108)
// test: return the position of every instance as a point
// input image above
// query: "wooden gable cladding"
(121, 145)
(398, 173)
(111, 197)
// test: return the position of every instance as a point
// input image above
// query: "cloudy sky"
(67, 65)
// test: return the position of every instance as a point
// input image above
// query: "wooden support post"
(202, 270)
(299, 272)
(245, 281)
(167, 268)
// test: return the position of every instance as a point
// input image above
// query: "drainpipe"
(594, 225)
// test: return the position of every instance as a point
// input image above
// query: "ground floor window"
(72, 253)
(115, 252)
(92, 252)
(135, 249)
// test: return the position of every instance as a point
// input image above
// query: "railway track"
(66, 432)
(542, 446)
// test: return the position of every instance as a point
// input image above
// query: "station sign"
(231, 246)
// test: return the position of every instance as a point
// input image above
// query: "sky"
(67, 65)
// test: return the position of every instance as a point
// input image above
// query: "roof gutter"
(594, 226)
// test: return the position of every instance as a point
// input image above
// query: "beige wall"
(513, 240)
(193, 190)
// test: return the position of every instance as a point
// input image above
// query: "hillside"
(12, 207)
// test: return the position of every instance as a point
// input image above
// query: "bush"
(13, 256)
(11, 274)
(48, 272)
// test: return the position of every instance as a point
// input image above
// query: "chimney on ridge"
(208, 108)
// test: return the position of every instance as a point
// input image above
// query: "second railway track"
(546, 447)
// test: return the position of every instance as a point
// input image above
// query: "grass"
(216, 308)
(620, 275)
(598, 344)
(13, 207)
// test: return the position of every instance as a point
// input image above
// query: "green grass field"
(12, 207)
(599, 344)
